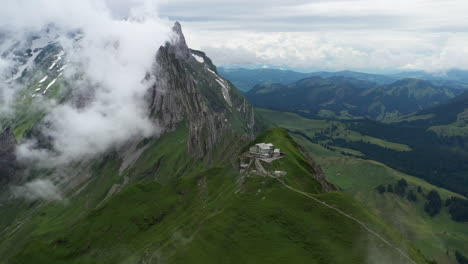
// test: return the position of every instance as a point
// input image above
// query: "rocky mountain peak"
(190, 90)
(177, 45)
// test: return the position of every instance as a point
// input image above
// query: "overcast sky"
(367, 35)
(370, 35)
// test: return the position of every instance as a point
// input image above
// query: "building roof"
(265, 146)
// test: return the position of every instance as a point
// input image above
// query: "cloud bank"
(107, 58)
(368, 35)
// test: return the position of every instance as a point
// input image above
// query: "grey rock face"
(177, 95)
(178, 46)
(318, 172)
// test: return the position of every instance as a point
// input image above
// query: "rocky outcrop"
(318, 173)
(8, 164)
(187, 90)
(178, 46)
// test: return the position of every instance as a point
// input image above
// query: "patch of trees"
(400, 187)
(381, 189)
(458, 209)
(411, 196)
(431, 156)
(390, 188)
(439, 160)
(460, 258)
(433, 204)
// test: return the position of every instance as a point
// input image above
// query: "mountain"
(196, 218)
(375, 78)
(429, 143)
(455, 75)
(452, 112)
(177, 196)
(185, 90)
(457, 79)
(342, 97)
(246, 79)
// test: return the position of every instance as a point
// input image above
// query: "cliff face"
(187, 88)
(8, 165)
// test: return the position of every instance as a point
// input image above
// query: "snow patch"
(61, 68)
(59, 57)
(198, 58)
(44, 79)
(48, 86)
(212, 72)
(224, 91)
(224, 87)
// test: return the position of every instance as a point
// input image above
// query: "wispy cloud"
(37, 189)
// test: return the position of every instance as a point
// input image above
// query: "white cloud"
(37, 189)
(112, 58)
(6, 91)
(372, 35)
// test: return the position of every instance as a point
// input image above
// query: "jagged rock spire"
(178, 46)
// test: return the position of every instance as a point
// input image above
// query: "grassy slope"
(360, 177)
(309, 127)
(50, 217)
(434, 236)
(452, 130)
(211, 216)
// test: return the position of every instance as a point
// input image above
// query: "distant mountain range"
(246, 79)
(350, 98)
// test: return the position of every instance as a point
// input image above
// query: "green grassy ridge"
(164, 158)
(172, 221)
(452, 130)
(206, 217)
(359, 177)
(299, 170)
